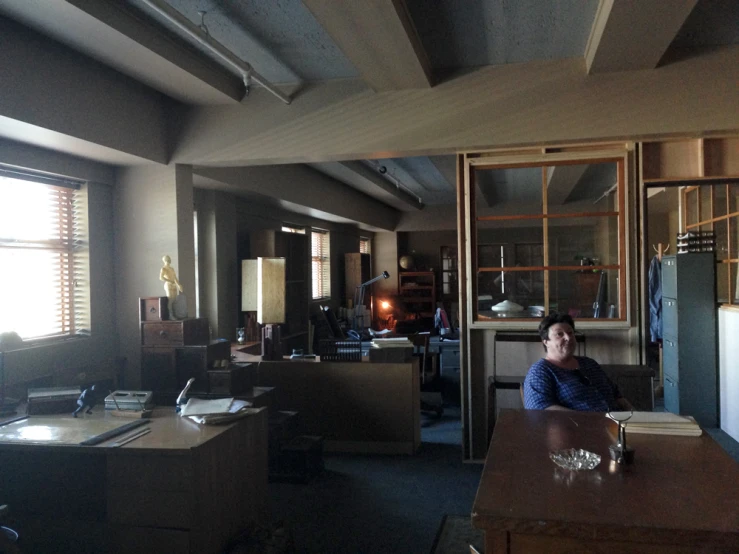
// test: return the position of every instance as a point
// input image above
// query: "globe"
(406, 262)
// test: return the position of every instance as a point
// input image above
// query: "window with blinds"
(320, 264)
(44, 282)
(364, 245)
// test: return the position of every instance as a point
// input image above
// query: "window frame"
(621, 154)
(70, 241)
(324, 265)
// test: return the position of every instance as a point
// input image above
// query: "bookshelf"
(418, 292)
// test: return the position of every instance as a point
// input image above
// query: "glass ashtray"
(575, 459)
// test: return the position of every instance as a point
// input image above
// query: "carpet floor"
(455, 536)
(381, 504)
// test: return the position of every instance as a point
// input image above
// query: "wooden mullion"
(621, 191)
(567, 215)
(470, 182)
(550, 268)
(713, 220)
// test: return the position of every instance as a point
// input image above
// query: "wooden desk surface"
(680, 490)
(169, 432)
(183, 488)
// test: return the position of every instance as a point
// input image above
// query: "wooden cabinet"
(689, 336)
(418, 292)
(175, 333)
(165, 369)
(174, 351)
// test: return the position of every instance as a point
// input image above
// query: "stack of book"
(394, 342)
(392, 350)
(658, 423)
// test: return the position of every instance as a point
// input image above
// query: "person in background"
(563, 381)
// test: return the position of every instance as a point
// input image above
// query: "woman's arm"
(558, 408)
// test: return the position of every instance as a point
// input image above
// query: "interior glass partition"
(548, 237)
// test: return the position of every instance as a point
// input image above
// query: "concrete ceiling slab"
(494, 32)
(282, 40)
(380, 40)
(634, 35)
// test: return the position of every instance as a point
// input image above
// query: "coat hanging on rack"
(655, 294)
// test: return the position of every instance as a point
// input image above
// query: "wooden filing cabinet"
(174, 351)
(166, 369)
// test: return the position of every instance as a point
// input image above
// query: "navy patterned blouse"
(586, 389)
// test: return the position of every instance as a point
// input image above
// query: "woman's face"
(561, 342)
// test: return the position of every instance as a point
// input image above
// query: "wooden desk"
(181, 488)
(679, 496)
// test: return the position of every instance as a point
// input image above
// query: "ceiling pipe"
(382, 170)
(246, 70)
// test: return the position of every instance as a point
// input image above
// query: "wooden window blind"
(44, 282)
(320, 263)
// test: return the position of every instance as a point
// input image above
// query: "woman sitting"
(562, 381)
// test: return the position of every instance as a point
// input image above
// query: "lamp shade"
(263, 289)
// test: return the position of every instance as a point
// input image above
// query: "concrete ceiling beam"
(124, 38)
(376, 179)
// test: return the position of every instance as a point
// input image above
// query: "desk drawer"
(672, 395)
(670, 358)
(669, 317)
(175, 333)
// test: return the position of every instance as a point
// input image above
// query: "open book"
(658, 423)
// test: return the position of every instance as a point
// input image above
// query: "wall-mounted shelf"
(702, 159)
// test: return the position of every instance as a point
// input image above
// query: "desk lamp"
(359, 299)
(263, 291)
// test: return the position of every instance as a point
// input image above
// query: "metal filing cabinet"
(689, 360)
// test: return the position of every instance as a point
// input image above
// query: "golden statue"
(172, 286)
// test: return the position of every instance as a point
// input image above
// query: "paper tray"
(129, 400)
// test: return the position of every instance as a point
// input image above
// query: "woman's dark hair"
(552, 319)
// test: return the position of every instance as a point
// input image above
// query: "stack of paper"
(220, 410)
(396, 342)
(658, 423)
